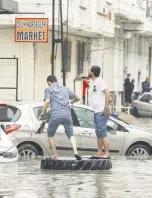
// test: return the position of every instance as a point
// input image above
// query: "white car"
(143, 106)
(8, 152)
(22, 123)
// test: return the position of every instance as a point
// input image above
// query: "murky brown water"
(129, 178)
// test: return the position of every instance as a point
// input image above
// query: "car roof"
(147, 93)
(34, 103)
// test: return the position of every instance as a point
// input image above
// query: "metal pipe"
(53, 39)
(16, 79)
(62, 45)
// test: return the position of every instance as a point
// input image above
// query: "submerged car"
(8, 152)
(124, 139)
(143, 106)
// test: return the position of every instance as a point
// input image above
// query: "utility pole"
(58, 40)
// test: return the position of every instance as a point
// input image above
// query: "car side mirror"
(2, 127)
(111, 130)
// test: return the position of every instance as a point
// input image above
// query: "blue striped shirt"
(59, 100)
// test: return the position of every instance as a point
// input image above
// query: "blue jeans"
(54, 124)
(101, 125)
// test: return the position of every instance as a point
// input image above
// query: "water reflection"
(128, 178)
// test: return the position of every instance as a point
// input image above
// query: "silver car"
(124, 139)
(8, 152)
(143, 106)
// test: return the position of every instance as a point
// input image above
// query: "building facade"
(114, 34)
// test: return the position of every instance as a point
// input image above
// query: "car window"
(85, 117)
(9, 114)
(38, 110)
(111, 125)
(146, 98)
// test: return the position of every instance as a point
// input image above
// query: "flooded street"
(128, 178)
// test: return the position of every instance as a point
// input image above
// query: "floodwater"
(129, 178)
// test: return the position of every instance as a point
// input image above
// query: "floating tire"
(84, 164)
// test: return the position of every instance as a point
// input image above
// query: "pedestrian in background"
(127, 85)
(84, 89)
(146, 85)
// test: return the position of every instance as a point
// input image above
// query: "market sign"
(31, 30)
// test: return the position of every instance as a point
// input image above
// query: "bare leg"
(74, 145)
(106, 147)
(100, 145)
(53, 147)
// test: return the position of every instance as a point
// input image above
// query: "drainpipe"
(34, 69)
(76, 79)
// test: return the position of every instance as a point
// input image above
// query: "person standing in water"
(100, 101)
(58, 96)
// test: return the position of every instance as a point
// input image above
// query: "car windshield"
(122, 121)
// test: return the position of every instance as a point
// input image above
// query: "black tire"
(135, 112)
(24, 148)
(139, 147)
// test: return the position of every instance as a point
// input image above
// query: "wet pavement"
(128, 178)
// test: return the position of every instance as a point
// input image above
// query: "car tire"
(135, 112)
(142, 150)
(28, 150)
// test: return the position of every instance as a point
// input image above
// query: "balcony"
(130, 10)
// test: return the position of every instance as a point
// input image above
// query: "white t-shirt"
(98, 95)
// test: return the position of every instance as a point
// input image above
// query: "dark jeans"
(128, 97)
(84, 99)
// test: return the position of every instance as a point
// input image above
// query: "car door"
(87, 132)
(144, 107)
(62, 142)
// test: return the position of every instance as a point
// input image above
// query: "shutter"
(108, 63)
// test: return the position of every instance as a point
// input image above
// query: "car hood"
(139, 129)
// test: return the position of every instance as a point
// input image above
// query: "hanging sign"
(31, 30)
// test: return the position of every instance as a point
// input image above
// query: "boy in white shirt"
(100, 102)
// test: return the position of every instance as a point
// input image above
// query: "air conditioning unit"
(83, 4)
(109, 1)
(8, 6)
(100, 7)
(142, 4)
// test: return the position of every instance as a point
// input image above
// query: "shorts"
(101, 125)
(54, 124)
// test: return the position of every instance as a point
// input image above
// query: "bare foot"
(106, 156)
(98, 155)
(54, 157)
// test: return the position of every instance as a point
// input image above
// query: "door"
(62, 142)
(87, 132)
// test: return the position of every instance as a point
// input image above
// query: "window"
(111, 125)
(67, 54)
(80, 56)
(146, 98)
(38, 110)
(9, 114)
(85, 117)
